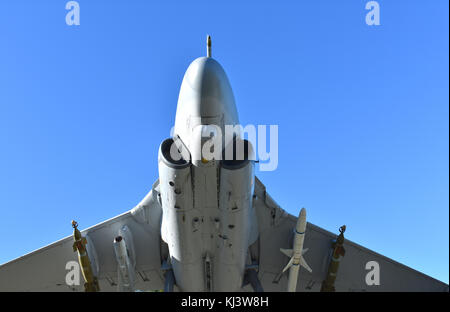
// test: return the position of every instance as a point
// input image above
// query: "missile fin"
(305, 265)
(304, 250)
(288, 265)
(287, 252)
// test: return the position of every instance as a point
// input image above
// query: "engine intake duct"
(174, 153)
(237, 154)
(180, 221)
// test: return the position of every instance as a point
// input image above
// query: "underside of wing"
(54, 267)
(360, 269)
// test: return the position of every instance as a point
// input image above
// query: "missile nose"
(301, 222)
(303, 212)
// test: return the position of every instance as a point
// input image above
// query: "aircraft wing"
(276, 229)
(45, 269)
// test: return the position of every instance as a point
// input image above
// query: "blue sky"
(362, 112)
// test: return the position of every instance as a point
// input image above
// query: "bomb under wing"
(79, 245)
(338, 253)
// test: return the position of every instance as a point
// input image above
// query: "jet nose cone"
(205, 90)
(205, 98)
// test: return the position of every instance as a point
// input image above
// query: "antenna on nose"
(208, 46)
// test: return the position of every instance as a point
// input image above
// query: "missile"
(296, 253)
(124, 265)
(79, 245)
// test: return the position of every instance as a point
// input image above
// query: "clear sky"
(362, 112)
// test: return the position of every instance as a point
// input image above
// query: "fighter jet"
(208, 224)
